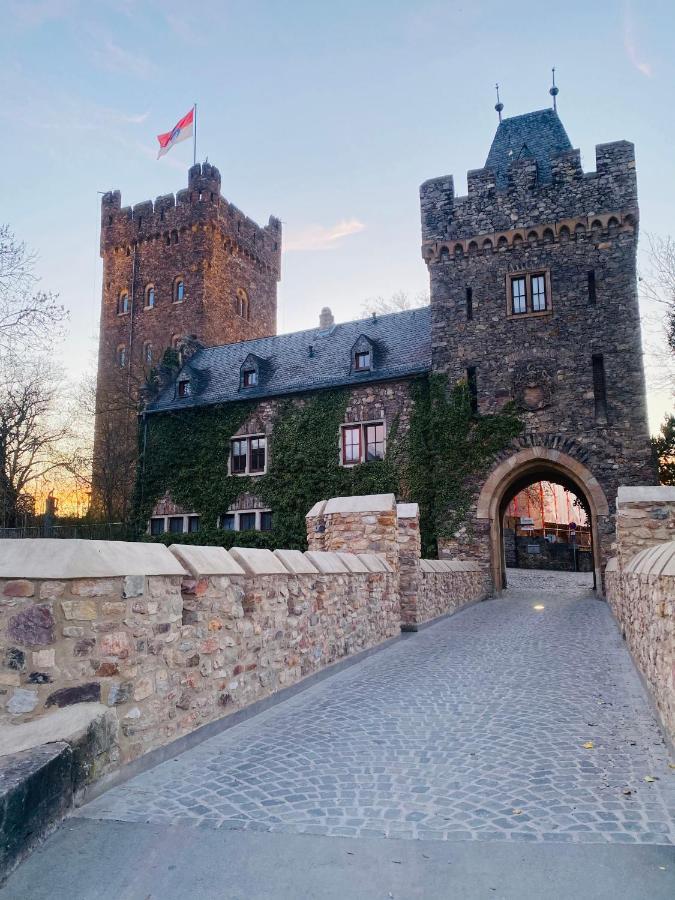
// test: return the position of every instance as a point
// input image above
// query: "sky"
(327, 115)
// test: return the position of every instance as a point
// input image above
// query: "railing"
(100, 531)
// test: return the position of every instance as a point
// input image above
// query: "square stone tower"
(534, 300)
(190, 266)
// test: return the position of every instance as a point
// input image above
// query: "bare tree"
(397, 302)
(28, 317)
(657, 287)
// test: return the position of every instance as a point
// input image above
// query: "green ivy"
(186, 455)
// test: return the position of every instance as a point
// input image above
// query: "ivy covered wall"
(431, 462)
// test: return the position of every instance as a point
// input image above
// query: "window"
(242, 304)
(150, 296)
(249, 455)
(374, 441)
(591, 287)
(249, 377)
(178, 524)
(472, 383)
(123, 303)
(178, 290)
(362, 360)
(147, 353)
(363, 442)
(247, 520)
(157, 526)
(193, 524)
(529, 294)
(184, 388)
(469, 304)
(121, 356)
(599, 388)
(518, 297)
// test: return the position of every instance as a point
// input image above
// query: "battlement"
(525, 193)
(200, 205)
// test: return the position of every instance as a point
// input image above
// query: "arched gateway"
(538, 464)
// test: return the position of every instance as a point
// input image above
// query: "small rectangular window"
(469, 304)
(247, 521)
(362, 361)
(193, 524)
(266, 521)
(374, 441)
(239, 448)
(250, 378)
(599, 388)
(538, 285)
(157, 525)
(175, 524)
(257, 454)
(472, 383)
(591, 287)
(351, 445)
(227, 522)
(183, 388)
(518, 296)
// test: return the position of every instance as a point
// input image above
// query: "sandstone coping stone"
(296, 562)
(317, 509)
(204, 561)
(327, 562)
(612, 565)
(66, 724)
(353, 562)
(658, 560)
(461, 565)
(364, 504)
(375, 563)
(663, 493)
(57, 558)
(258, 561)
(407, 510)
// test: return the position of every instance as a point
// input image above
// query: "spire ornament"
(499, 106)
(554, 91)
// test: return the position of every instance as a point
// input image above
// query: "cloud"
(630, 46)
(318, 237)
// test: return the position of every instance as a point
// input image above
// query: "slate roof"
(538, 134)
(401, 347)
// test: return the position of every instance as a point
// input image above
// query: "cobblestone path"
(474, 728)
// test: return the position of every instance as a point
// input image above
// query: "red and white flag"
(181, 131)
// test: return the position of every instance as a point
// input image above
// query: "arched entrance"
(524, 468)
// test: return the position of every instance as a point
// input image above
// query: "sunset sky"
(326, 115)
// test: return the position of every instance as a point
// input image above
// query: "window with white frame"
(362, 442)
(528, 294)
(248, 455)
(178, 524)
(246, 520)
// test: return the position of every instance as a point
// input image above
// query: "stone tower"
(186, 266)
(534, 300)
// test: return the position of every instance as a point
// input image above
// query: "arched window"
(147, 353)
(121, 356)
(150, 296)
(179, 290)
(123, 303)
(243, 306)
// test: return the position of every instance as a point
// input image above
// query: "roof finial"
(554, 91)
(499, 106)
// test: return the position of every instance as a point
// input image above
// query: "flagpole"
(194, 141)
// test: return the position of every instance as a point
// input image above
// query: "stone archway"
(539, 464)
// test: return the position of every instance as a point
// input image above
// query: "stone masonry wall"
(645, 517)
(446, 586)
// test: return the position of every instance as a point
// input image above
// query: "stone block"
(296, 562)
(33, 626)
(256, 561)
(18, 588)
(204, 561)
(81, 693)
(79, 610)
(43, 659)
(134, 586)
(50, 590)
(22, 701)
(353, 562)
(327, 562)
(360, 504)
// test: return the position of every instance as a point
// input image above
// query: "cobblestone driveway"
(471, 729)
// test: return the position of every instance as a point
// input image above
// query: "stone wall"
(445, 586)
(640, 587)
(186, 637)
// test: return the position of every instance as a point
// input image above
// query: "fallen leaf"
(650, 778)
(517, 812)
(627, 791)
(671, 765)
(588, 745)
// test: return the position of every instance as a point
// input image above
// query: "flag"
(181, 131)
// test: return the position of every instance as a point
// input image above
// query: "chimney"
(326, 320)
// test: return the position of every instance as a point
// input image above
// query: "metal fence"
(100, 531)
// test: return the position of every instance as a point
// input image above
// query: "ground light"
(538, 606)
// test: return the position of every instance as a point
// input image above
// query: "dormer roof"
(538, 135)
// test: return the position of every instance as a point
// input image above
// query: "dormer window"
(362, 360)
(184, 388)
(249, 378)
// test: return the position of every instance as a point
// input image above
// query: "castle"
(533, 306)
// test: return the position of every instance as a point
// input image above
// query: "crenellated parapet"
(200, 206)
(530, 195)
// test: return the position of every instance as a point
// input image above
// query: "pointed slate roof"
(401, 342)
(538, 134)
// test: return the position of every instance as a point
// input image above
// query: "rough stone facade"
(229, 265)
(645, 518)
(579, 230)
